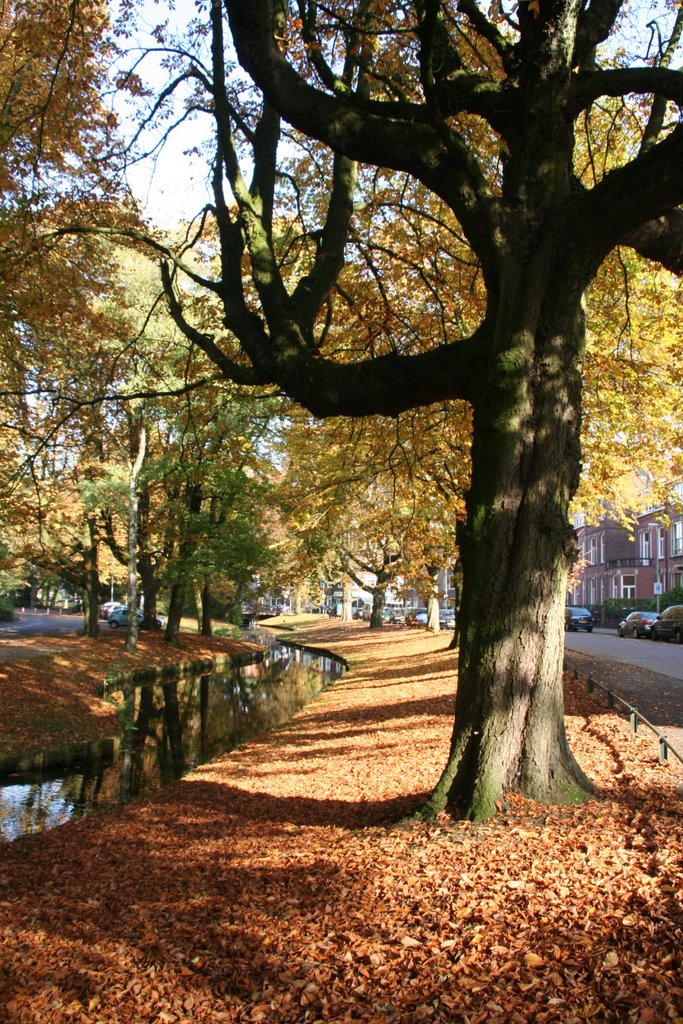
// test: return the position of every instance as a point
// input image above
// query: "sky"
(173, 186)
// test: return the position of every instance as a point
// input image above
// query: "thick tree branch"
(629, 197)
(589, 86)
(595, 24)
(312, 290)
(230, 370)
(660, 240)
(450, 169)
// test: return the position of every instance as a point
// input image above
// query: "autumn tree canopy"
(454, 177)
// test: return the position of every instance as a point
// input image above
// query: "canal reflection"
(167, 730)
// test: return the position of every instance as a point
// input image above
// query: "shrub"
(7, 610)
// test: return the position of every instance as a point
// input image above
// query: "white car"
(108, 607)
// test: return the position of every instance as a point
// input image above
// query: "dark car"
(637, 624)
(669, 625)
(578, 618)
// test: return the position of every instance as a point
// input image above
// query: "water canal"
(166, 731)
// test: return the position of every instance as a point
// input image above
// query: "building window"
(677, 538)
(628, 587)
(645, 544)
(593, 551)
(615, 586)
(592, 590)
(661, 549)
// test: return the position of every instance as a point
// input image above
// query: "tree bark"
(132, 589)
(347, 599)
(176, 606)
(149, 584)
(193, 502)
(197, 588)
(207, 628)
(378, 601)
(433, 623)
(509, 732)
(91, 589)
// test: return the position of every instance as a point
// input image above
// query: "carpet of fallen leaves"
(270, 886)
(49, 696)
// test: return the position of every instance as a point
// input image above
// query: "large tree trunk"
(379, 595)
(509, 732)
(433, 622)
(176, 606)
(347, 600)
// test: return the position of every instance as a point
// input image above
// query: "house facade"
(628, 563)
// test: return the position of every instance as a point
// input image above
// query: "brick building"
(626, 563)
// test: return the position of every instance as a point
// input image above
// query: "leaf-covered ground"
(269, 887)
(48, 698)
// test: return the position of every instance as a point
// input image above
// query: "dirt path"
(269, 886)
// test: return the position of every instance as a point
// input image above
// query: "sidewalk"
(659, 698)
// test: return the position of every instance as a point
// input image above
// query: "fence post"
(634, 720)
(663, 749)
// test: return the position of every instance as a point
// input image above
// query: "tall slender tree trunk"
(193, 501)
(207, 627)
(132, 589)
(91, 590)
(234, 606)
(197, 590)
(509, 732)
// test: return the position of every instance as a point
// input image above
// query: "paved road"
(662, 656)
(40, 624)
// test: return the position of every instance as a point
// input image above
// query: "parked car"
(447, 620)
(119, 617)
(637, 624)
(108, 607)
(415, 616)
(669, 625)
(578, 618)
